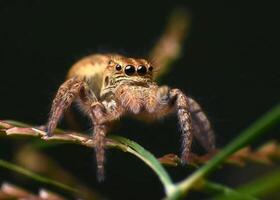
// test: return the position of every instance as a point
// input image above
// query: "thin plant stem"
(261, 186)
(259, 127)
(227, 192)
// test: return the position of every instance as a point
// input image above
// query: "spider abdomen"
(91, 69)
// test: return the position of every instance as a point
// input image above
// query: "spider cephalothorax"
(109, 86)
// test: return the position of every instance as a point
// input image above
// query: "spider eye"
(141, 70)
(151, 68)
(118, 67)
(129, 70)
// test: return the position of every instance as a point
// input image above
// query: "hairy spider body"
(108, 86)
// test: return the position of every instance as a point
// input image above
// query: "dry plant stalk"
(60, 136)
(9, 191)
(265, 154)
(169, 47)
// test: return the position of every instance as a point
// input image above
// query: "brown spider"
(109, 86)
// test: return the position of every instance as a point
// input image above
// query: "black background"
(232, 79)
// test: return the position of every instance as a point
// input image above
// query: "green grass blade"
(149, 159)
(36, 177)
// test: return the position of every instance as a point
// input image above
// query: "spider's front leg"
(101, 115)
(184, 116)
(192, 120)
(66, 94)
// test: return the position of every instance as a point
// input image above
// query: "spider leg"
(184, 116)
(201, 126)
(192, 119)
(66, 94)
(100, 131)
(101, 116)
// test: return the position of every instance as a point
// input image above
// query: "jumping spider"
(110, 85)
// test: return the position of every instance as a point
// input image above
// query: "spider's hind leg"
(202, 129)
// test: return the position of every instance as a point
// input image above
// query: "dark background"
(233, 80)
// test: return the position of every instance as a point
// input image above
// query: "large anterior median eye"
(141, 70)
(129, 70)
